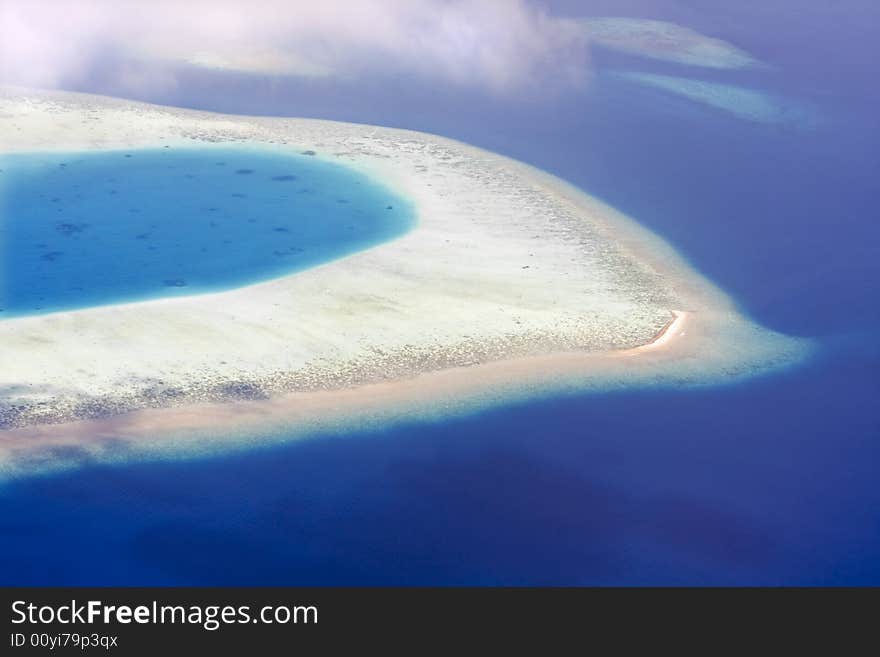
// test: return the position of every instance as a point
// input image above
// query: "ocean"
(770, 481)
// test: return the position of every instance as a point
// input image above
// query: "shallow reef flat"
(741, 102)
(511, 283)
(665, 41)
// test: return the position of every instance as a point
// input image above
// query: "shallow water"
(87, 229)
(771, 481)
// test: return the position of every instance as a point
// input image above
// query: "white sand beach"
(512, 284)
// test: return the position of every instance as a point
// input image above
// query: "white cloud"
(502, 45)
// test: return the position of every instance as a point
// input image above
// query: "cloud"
(504, 46)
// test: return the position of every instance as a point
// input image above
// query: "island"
(511, 284)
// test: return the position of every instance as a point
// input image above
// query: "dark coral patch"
(70, 229)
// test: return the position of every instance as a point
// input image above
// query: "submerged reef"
(665, 41)
(741, 102)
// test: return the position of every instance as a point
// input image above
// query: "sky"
(503, 46)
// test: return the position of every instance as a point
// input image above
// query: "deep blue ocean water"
(87, 229)
(768, 481)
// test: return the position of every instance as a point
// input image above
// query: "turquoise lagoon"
(96, 228)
